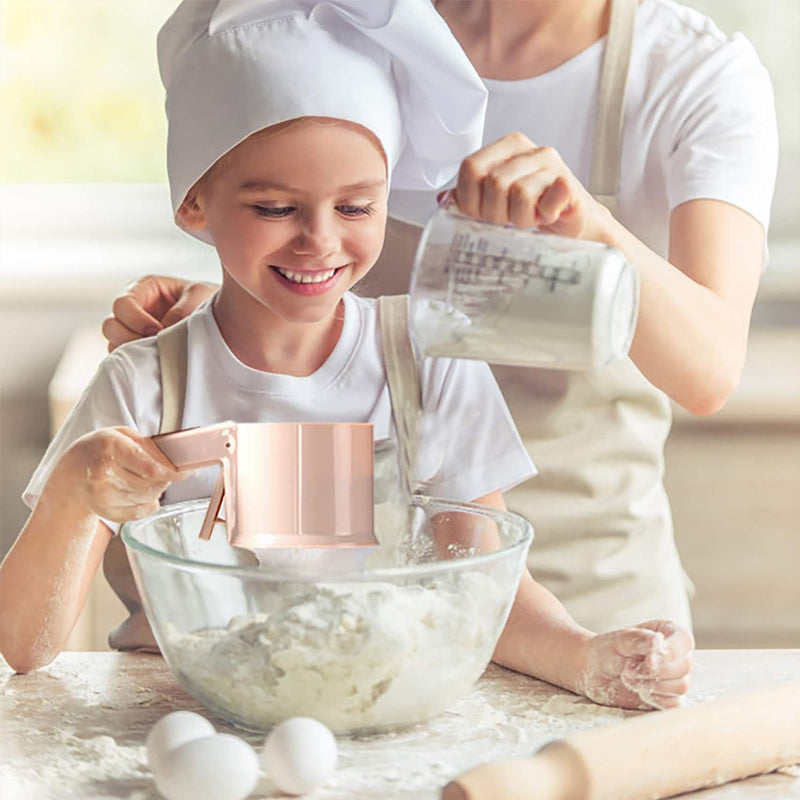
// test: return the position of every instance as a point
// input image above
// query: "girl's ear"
(190, 213)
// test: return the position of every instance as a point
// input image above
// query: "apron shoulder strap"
(135, 633)
(172, 346)
(607, 150)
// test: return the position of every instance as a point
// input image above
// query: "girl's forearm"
(541, 639)
(45, 577)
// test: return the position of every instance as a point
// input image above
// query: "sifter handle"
(202, 447)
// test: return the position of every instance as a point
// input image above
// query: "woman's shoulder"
(684, 70)
(667, 29)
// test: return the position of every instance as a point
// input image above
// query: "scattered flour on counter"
(98, 759)
(356, 656)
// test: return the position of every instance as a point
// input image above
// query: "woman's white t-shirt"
(699, 121)
(469, 446)
(699, 124)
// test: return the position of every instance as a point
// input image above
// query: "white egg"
(218, 767)
(172, 731)
(299, 755)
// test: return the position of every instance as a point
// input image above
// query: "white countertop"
(77, 729)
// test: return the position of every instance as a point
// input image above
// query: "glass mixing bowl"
(375, 648)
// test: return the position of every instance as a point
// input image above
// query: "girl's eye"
(273, 212)
(354, 211)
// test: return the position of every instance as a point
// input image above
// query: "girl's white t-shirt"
(469, 444)
(699, 121)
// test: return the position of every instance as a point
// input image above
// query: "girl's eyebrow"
(263, 186)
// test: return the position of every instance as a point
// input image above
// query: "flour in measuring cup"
(354, 656)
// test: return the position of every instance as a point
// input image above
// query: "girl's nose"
(317, 237)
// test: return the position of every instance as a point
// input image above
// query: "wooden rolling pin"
(652, 756)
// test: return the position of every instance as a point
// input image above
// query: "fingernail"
(446, 198)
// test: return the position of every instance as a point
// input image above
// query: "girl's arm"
(111, 473)
(644, 666)
(695, 308)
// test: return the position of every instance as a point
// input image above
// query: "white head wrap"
(234, 67)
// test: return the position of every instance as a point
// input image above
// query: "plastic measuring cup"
(520, 297)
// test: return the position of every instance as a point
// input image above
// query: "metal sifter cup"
(285, 484)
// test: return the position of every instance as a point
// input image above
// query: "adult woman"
(685, 167)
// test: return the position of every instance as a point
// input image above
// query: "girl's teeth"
(306, 277)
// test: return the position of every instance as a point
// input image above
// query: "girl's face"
(297, 216)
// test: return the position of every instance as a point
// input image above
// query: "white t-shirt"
(469, 446)
(699, 121)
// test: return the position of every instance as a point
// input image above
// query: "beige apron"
(404, 391)
(603, 530)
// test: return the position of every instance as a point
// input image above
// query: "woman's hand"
(512, 181)
(151, 304)
(117, 474)
(646, 666)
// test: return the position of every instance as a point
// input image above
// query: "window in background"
(80, 96)
(81, 100)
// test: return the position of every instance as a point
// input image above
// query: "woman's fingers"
(475, 168)
(116, 333)
(554, 202)
(151, 304)
(140, 308)
(192, 296)
(513, 181)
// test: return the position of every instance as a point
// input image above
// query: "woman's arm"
(695, 308)
(44, 579)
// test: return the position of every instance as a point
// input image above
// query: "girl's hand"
(117, 474)
(644, 667)
(512, 181)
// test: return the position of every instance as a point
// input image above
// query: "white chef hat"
(234, 67)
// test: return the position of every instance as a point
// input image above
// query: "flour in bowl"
(356, 656)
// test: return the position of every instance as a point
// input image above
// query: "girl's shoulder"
(132, 358)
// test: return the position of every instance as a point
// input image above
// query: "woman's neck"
(264, 341)
(517, 39)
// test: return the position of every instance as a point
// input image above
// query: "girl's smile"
(309, 283)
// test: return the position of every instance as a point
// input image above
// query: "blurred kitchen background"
(84, 210)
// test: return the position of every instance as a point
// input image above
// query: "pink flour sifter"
(286, 485)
